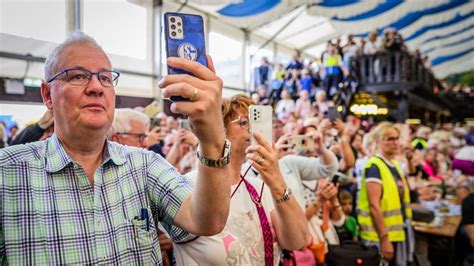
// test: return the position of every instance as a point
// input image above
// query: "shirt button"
(103, 258)
(98, 221)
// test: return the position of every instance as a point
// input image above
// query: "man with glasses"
(130, 128)
(77, 198)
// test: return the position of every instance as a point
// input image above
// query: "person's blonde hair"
(422, 131)
(237, 103)
(381, 128)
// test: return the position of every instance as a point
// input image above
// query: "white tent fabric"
(422, 23)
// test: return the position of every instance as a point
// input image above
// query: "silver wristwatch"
(217, 163)
(285, 197)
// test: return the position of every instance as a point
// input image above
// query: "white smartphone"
(260, 118)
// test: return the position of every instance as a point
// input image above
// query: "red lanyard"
(242, 177)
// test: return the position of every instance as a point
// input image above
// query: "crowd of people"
(329, 71)
(91, 184)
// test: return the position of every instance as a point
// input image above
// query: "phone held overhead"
(184, 38)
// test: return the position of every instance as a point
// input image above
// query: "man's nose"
(94, 85)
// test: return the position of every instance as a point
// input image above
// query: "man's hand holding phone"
(204, 89)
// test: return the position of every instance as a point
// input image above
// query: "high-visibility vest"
(419, 140)
(390, 204)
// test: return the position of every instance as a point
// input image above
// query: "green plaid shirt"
(49, 213)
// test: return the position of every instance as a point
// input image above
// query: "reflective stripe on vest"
(390, 204)
(384, 213)
(389, 228)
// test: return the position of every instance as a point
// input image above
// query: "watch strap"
(220, 162)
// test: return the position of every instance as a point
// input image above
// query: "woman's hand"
(190, 138)
(327, 191)
(264, 158)
(318, 139)
(282, 146)
(340, 126)
(324, 126)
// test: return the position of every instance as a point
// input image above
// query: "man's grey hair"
(75, 38)
(123, 118)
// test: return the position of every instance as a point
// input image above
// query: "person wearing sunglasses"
(383, 206)
(78, 198)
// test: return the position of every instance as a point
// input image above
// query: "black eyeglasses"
(140, 136)
(243, 121)
(82, 77)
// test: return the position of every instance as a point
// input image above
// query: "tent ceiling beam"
(265, 23)
(278, 32)
(36, 59)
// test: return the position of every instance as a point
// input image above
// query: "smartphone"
(335, 179)
(333, 114)
(184, 123)
(184, 37)
(301, 143)
(260, 120)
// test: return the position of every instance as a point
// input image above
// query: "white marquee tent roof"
(443, 30)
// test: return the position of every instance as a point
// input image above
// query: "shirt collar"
(57, 158)
(389, 162)
(114, 152)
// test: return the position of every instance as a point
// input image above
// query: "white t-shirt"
(303, 107)
(371, 47)
(296, 169)
(284, 108)
(241, 241)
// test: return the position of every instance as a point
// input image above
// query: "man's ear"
(46, 95)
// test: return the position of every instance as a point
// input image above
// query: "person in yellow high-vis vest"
(383, 204)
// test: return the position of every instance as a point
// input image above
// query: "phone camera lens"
(173, 27)
(172, 19)
(173, 33)
(179, 31)
(179, 23)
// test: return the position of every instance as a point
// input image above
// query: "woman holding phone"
(264, 216)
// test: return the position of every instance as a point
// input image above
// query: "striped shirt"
(50, 214)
